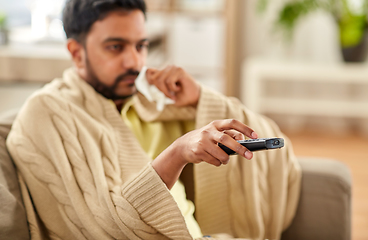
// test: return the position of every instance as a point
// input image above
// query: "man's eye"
(141, 46)
(115, 47)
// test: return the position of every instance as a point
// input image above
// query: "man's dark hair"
(79, 15)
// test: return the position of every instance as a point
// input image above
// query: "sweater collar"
(145, 109)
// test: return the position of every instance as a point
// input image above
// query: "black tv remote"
(256, 144)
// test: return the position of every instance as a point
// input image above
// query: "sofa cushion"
(13, 220)
(324, 209)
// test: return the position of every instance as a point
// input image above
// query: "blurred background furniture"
(324, 210)
(21, 62)
(309, 89)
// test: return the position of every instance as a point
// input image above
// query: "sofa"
(324, 209)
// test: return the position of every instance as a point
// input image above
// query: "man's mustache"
(120, 78)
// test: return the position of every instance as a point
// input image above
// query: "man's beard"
(108, 92)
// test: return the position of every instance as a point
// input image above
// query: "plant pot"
(357, 53)
(3, 36)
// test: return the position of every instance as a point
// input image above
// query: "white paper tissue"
(151, 92)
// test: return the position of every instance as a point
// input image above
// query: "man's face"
(116, 50)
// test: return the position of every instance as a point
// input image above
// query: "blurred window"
(17, 11)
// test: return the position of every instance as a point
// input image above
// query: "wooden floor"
(353, 151)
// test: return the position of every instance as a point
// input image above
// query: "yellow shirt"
(155, 137)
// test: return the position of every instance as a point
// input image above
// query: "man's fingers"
(172, 81)
(150, 75)
(176, 84)
(231, 143)
(212, 160)
(216, 152)
(233, 124)
(235, 134)
(159, 80)
(208, 151)
(165, 80)
(203, 155)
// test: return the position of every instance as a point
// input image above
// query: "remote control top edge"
(257, 144)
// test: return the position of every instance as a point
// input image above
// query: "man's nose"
(131, 59)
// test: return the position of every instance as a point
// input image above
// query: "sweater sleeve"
(263, 193)
(74, 179)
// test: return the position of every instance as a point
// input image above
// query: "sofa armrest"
(13, 220)
(324, 210)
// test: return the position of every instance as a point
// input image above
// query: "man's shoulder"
(37, 113)
(54, 98)
(68, 90)
(67, 97)
(50, 93)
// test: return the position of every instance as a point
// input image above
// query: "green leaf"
(2, 20)
(293, 11)
(262, 5)
(352, 25)
(352, 29)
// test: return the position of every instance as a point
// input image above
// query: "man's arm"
(200, 145)
(273, 176)
(73, 173)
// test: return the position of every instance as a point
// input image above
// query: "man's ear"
(77, 52)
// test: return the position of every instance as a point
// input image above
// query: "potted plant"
(3, 29)
(351, 20)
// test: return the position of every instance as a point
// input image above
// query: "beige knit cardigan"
(84, 175)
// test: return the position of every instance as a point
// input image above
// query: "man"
(96, 160)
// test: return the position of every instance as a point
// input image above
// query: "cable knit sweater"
(84, 175)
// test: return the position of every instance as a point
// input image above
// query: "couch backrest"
(13, 220)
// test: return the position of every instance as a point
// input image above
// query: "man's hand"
(176, 84)
(202, 146)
